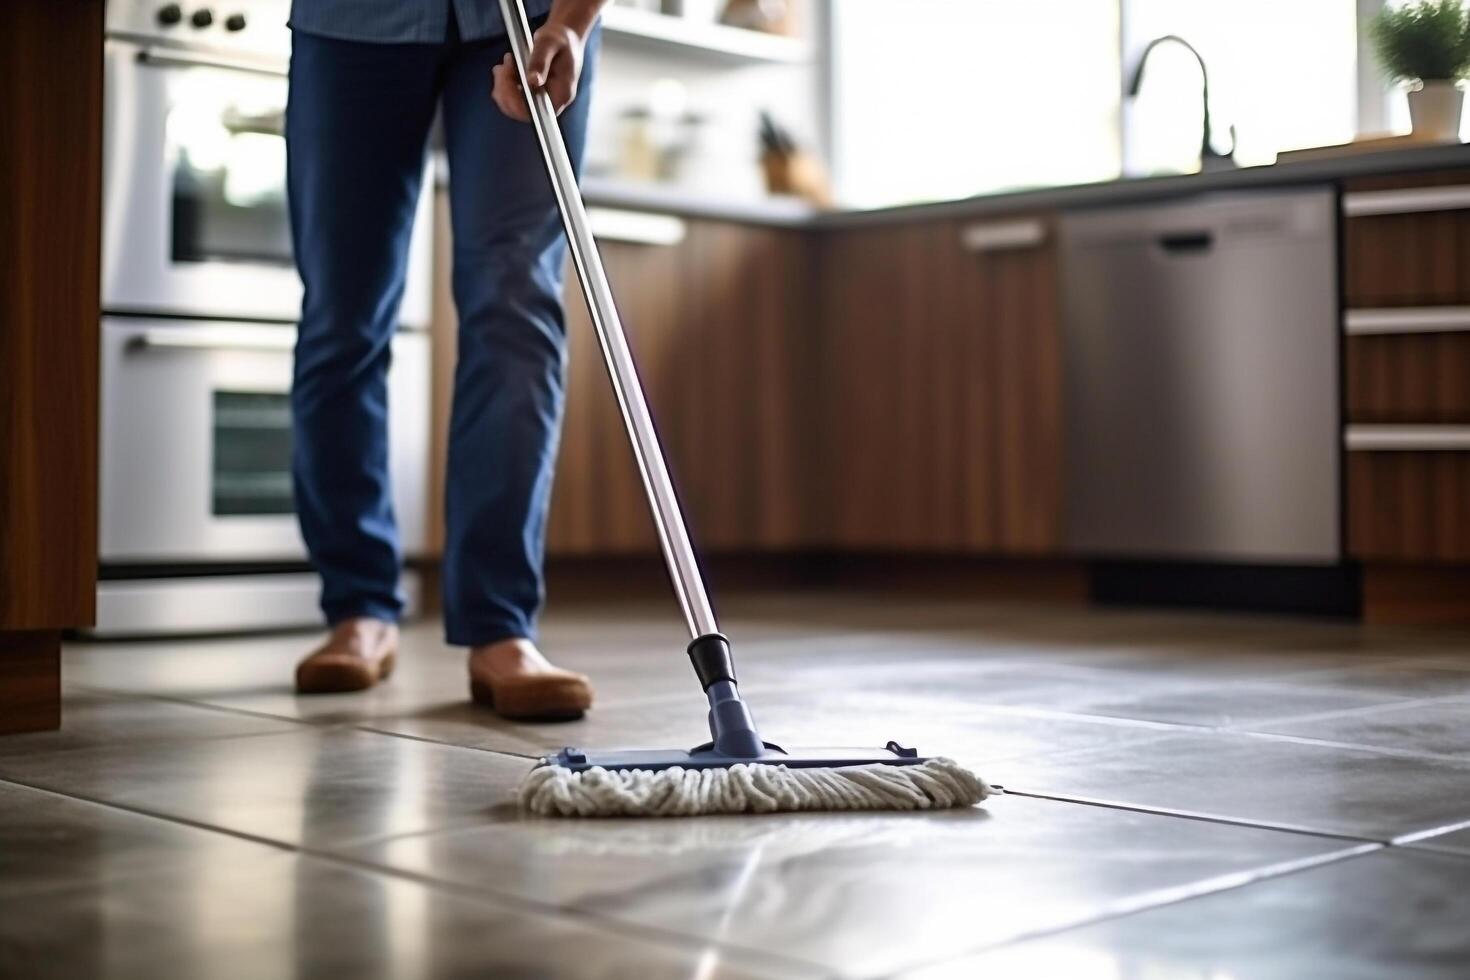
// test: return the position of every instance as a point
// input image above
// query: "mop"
(736, 771)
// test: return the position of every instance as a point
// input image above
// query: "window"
(1284, 74)
(938, 99)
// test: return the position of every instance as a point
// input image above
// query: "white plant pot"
(1435, 109)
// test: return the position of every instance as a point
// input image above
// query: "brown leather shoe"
(359, 653)
(513, 678)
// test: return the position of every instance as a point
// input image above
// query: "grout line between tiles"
(1172, 896)
(1424, 835)
(211, 706)
(1182, 728)
(439, 741)
(163, 741)
(1199, 816)
(1368, 709)
(151, 814)
(1116, 721)
(1352, 746)
(304, 724)
(651, 934)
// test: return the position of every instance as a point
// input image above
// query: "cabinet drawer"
(1406, 240)
(1409, 505)
(1416, 259)
(1409, 378)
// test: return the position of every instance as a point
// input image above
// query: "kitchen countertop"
(788, 212)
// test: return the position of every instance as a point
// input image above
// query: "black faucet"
(1209, 158)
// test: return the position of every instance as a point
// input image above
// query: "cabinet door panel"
(739, 427)
(1405, 260)
(1411, 258)
(720, 326)
(1409, 378)
(892, 362)
(941, 392)
(1027, 377)
(598, 504)
(1409, 506)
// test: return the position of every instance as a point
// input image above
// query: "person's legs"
(356, 125)
(509, 254)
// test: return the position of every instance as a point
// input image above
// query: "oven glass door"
(226, 160)
(196, 441)
(195, 217)
(250, 458)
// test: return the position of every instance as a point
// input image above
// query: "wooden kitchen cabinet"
(740, 427)
(598, 504)
(1409, 378)
(721, 326)
(889, 423)
(941, 394)
(1013, 292)
(50, 244)
(1406, 241)
(1407, 506)
(1407, 393)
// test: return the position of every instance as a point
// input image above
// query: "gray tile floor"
(1187, 795)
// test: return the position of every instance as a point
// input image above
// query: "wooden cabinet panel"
(1409, 378)
(721, 328)
(1409, 506)
(941, 392)
(30, 680)
(598, 505)
(1399, 260)
(1418, 258)
(892, 411)
(50, 249)
(1018, 301)
(50, 244)
(742, 365)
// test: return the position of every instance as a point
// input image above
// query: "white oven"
(194, 176)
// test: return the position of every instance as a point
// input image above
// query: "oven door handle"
(277, 339)
(158, 58)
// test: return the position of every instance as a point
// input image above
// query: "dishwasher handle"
(1186, 242)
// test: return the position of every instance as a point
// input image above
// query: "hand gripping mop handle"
(731, 726)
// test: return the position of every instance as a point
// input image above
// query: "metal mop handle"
(672, 535)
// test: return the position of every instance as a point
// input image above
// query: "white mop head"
(555, 791)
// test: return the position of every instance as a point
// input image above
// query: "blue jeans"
(356, 127)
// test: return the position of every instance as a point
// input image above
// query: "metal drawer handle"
(1407, 201)
(1407, 438)
(1423, 319)
(636, 227)
(1003, 236)
(280, 339)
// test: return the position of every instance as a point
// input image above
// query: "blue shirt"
(403, 21)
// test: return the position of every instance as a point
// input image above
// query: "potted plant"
(1427, 45)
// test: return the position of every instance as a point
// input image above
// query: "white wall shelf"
(698, 39)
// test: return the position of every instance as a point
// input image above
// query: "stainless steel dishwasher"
(1201, 356)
